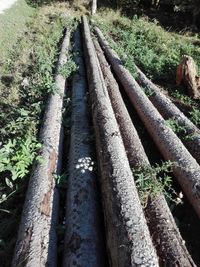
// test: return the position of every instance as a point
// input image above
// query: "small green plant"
(69, 68)
(148, 91)
(178, 129)
(174, 125)
(195, 116)
(181, 96)
(153, 180)
(17, 155)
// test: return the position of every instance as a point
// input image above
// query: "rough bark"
(83, 239)
(128, 239)
(168, 110)
(167, 239)
(187, 170)
(37, 243)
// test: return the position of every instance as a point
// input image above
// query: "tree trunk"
(128, 239)
(168, 110)
(187, 170)
(167, 239)
(94, 7)
(83, 239)
(37, 242)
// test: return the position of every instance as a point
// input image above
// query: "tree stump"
(186, 74)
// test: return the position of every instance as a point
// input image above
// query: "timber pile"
(186, 170)
(165, 234)
(128, 238)
(134, 235)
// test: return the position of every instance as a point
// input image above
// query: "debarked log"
(128, 239)
(37, 242)
(186, 169)
(165, 234)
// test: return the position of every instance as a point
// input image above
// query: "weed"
(184, 98)
(148, 91)
(69, 68)
(17, 155)
(179, 129)
(153, 180)
(174, 125)
(195, 116)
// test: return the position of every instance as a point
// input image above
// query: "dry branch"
(167, 239)
(168, 110)
(37, 241)
(187, 170)
(128, 239)
(83, 240)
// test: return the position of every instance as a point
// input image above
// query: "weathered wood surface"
(187, 74)
(187, 170)
(128, 238)
(83, 237)
(167, 239)
(37, 242)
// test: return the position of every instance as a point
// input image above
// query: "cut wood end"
(186, 74)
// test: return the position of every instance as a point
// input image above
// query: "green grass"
(13, 24)
(156, 51)
(151, 47)
(151, 181)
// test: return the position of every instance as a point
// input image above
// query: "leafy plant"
(69, 68)
(184, 98)
(195, 116)
(148, 91)
(17, 155)
(178, 129)
(153, 180)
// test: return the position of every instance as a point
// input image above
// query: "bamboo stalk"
(37, 242)
(128, 239)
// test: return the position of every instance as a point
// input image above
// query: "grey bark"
(168, 110)
(37, 243)
(167, 239)
(128, 239)
(83, 239)
(187, 170)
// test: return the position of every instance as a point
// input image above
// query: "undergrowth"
(156, 51)
(180, 130)
(151, 181)
(145, 42)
